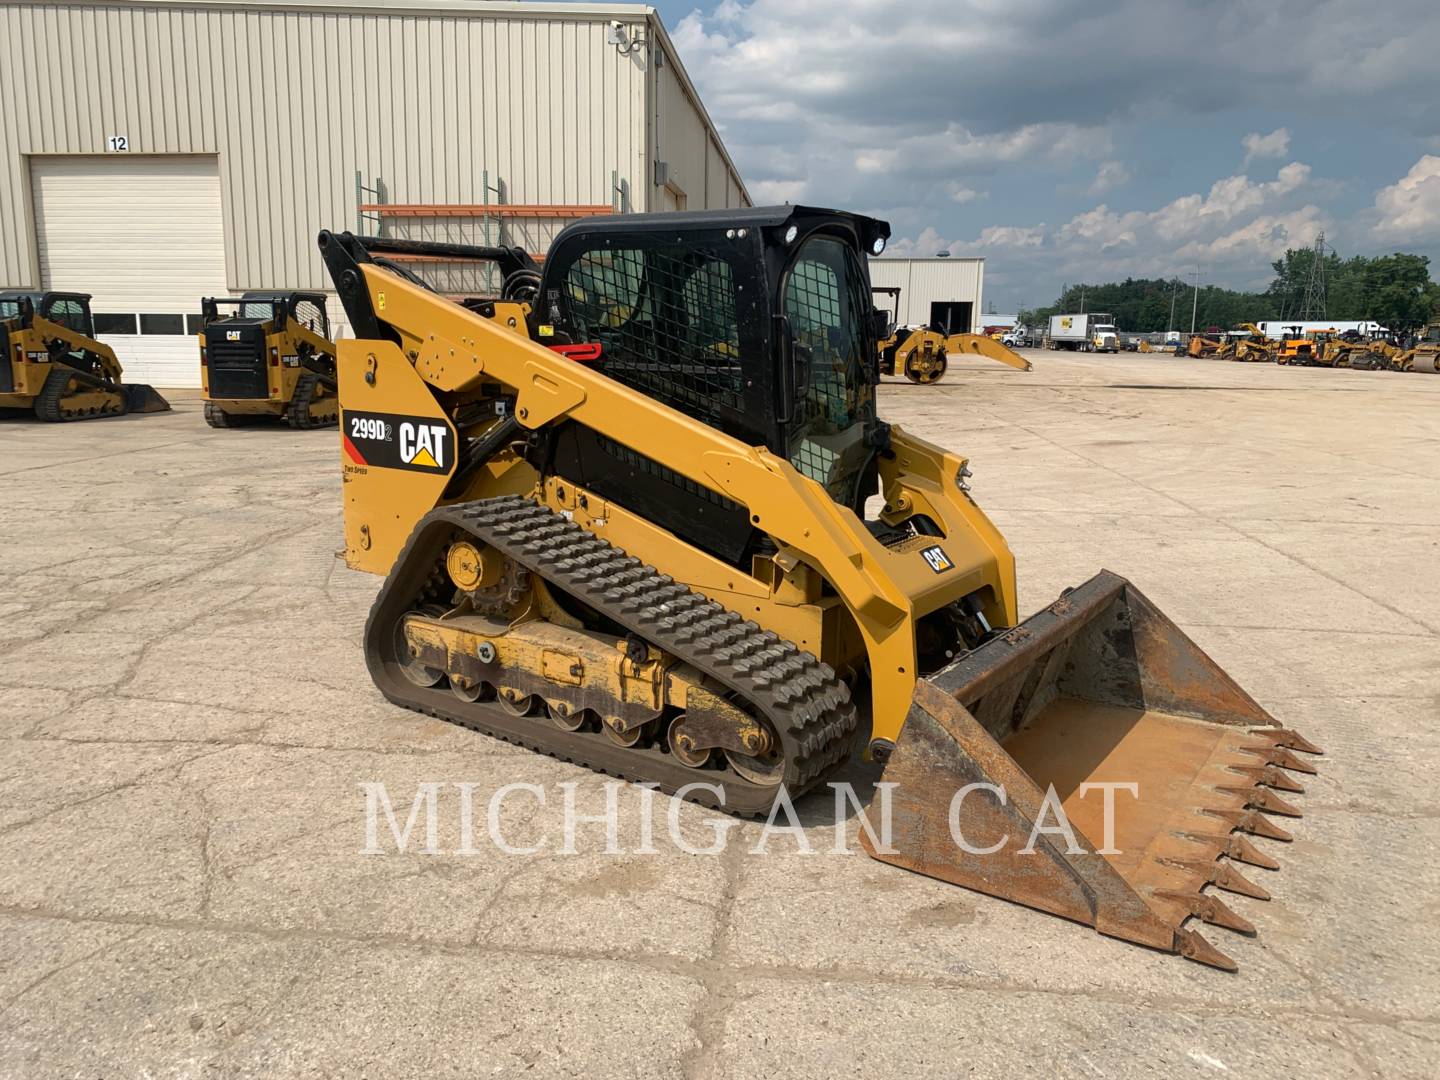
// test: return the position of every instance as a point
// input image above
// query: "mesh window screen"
(309, 315)
(667, 320)
(824, 296)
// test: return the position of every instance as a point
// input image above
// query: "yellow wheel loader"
(268, 356)
(701, 560)
(921, 354)
(51, 363)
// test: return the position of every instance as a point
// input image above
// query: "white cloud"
(1111, 175)
(1274, 145)
(913, 112)
(941, 152)
(1258, 241)
(1012, 236)
(1409, 209)
(1232, 232)
(929, 242)
(770, 192)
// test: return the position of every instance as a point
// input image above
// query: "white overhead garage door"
(144, 236)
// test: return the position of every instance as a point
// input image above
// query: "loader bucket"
(1099, 688)
(143, 398)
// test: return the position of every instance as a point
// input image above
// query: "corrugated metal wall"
(923, 281)
(696, 164)
(295, 101)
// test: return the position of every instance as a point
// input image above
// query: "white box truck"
(1091, 332)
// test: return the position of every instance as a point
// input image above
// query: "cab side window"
(71, 314)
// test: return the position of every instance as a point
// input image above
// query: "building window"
(162, 324)
(194, 324)
(113, 325)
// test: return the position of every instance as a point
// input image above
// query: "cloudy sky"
(1067, 141)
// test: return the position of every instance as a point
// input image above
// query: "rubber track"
(50, 402)
(804, 700)
(215, 416)
(297, 413)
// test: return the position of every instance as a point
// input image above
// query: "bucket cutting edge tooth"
(1278, 755)
(1208, 909)
(1269, 776)
(1252, 822)
(1232, 846)
(1262, 798)
(1286, 739)
(1193, 946)
(1222, 875)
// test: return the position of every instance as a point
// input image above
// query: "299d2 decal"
(392, 441)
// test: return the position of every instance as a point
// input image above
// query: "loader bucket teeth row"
(1098, 698)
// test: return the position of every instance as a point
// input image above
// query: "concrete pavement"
(187, 724)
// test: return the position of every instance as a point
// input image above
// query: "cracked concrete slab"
(186, 722)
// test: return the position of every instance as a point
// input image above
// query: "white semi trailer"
(1090, 332)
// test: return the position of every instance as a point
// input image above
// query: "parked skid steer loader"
(658, 564)
(268, 356)
(922, 354)
(51, 363)
(1249, 345)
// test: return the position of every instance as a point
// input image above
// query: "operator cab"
(70, 310)
(758, 322)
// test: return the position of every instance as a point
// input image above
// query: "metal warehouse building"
(940, 292)
(156, 151)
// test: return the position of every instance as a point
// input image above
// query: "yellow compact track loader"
(921, 354)
(51, 363)
(700, 560)
(268, 356)
(1425, 356)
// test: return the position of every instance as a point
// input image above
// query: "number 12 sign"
(118, 144)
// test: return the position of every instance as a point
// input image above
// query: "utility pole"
(1174, 292)
(1195, 304)
(1082, 299)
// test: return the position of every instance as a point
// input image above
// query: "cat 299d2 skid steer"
(51, 363)
(268, 355)
(623, 521)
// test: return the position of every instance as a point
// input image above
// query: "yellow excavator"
(268, 356)
(922, 354)
(52, 365)
(681, 547)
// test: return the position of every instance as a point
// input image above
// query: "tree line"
(1393, 290)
